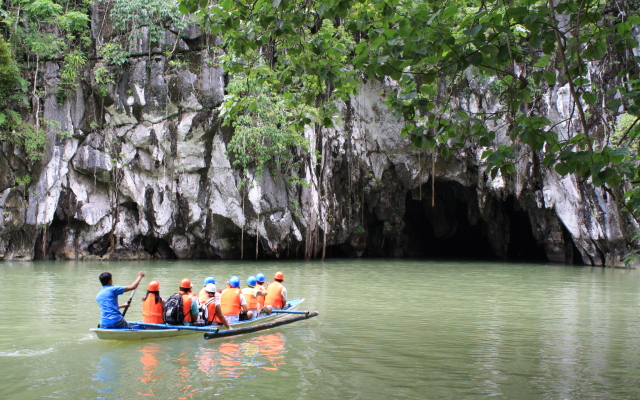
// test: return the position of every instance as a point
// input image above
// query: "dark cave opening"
(522, 245)
(453, 229)
(158, 248)
(444, 231)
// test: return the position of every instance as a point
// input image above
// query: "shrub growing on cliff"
(38, 31)
(156, 15)
(9, 73)
(265, 131)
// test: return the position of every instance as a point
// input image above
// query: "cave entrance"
(453, 229)
(522, 244)
(444, 231)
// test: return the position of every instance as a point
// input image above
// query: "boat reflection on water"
(272, 348)
(149, 360)
(107, 376)
(185, 372)
(230, 360)
(213, 365)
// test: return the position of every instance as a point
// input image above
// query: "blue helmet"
(251, 281)
(234, 282)
(209, 279)
(260, 277)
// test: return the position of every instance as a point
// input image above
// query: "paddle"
(128, 303)
(290, 312)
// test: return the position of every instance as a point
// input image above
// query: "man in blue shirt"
(108, 301)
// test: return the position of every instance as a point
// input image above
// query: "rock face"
(145, 174)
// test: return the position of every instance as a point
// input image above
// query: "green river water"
(387, 329)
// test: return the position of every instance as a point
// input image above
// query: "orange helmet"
(154, 286)
(279, 275)
(186, 283)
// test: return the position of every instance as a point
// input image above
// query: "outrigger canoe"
(144, 331)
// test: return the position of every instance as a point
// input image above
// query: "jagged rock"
(90, 161)
(142, 44)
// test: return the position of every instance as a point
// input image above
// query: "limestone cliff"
(144, 174)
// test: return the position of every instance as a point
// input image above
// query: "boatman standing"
(276, 293)
(107, 299)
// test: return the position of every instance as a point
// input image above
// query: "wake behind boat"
(145, 331)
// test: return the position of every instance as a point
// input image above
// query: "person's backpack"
(172, 313)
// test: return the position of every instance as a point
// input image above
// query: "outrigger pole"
(259, 327)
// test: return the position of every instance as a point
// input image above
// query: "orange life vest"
(260, 298)
(211, 309)
(152, 311)
(274, 295)
(186, 306)
(230, 301)
(252, 301)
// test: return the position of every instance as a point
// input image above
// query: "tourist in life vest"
(189, 302)
(202, 296)
(251, 293)
(107, 299)
(276, 293)
(260, 278)
(152, 304)
(211, 310)
(233, 303)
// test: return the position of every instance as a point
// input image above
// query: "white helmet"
(211, 288)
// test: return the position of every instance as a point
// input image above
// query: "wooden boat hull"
(144, 331)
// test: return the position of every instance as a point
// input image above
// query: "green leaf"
(419, 141)
(562, 169)
(489, 49)
(634, 19)
(227, 4)
(614, 105)
(618, 155)
(472, 32)
(477, 58)
(595, 51)
(550, 77)
(449, 11)
(462, 114)
(589, 98)
(431, 142)
(543, 61)
(361, 58)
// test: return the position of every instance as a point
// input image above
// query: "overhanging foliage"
(428, 47)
